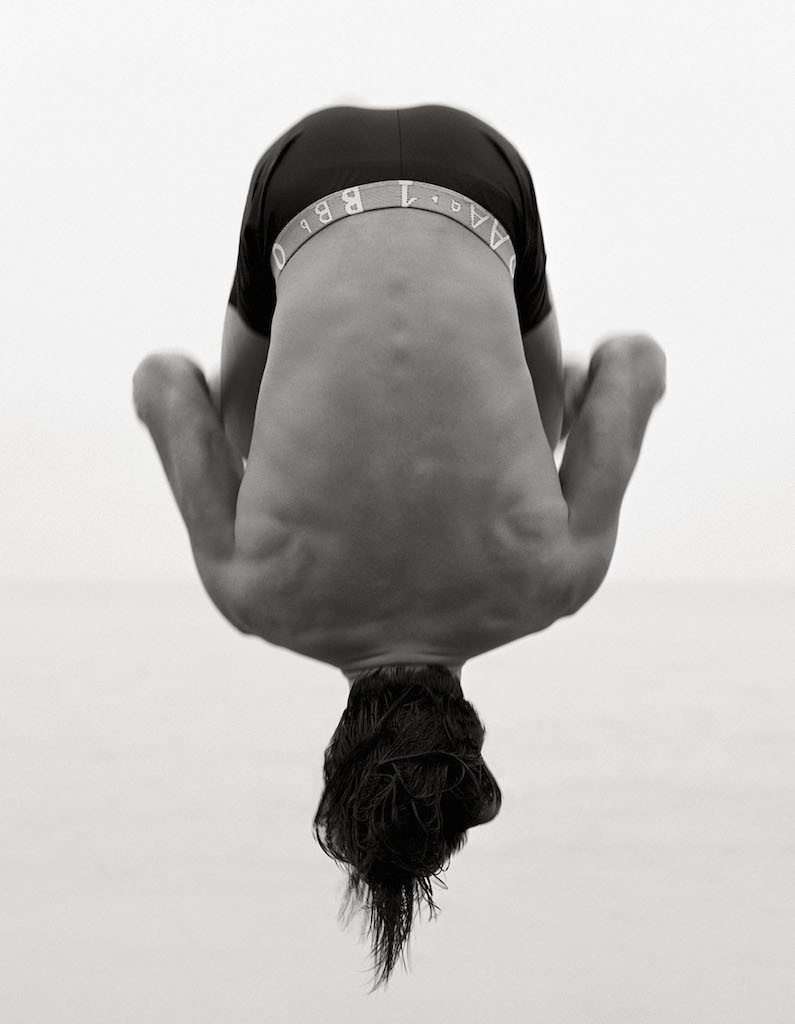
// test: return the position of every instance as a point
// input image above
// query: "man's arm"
(626, 379)
(244, 353)
(543, 357)
(172, 399)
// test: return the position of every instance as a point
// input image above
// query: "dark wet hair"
(404, 780)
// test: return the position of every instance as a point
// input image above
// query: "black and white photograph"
(397, 578)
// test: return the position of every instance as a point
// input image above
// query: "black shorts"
(337, 147)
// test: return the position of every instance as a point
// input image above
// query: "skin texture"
(375, 482)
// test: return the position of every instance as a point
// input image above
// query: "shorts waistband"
(380, 195)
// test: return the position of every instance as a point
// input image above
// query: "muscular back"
(400, 500)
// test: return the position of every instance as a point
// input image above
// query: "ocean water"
(159, 774)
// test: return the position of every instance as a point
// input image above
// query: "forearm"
(626, 379)
(172, 399)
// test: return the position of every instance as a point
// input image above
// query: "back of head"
(404, 780)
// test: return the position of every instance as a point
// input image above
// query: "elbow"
(590, 564)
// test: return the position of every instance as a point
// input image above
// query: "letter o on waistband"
(279, 256)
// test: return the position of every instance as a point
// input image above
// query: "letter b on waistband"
(352, 198)
(324, 214)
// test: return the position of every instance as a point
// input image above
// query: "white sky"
(659, 137)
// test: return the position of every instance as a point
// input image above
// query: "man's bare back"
(400, 501)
